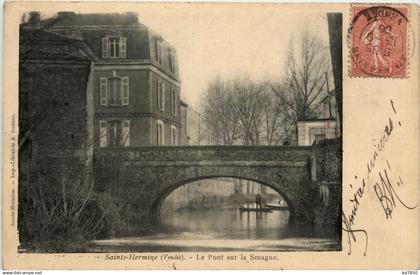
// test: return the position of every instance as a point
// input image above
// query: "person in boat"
(258, 201)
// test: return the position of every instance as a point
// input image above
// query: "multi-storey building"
(86, 81)
(136, 98)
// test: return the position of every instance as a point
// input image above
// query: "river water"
(226, 230)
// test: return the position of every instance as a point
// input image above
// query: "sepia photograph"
(163, 130)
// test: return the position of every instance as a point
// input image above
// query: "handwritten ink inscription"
(385, 185)
(387, 194)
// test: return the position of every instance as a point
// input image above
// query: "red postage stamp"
(379, 41)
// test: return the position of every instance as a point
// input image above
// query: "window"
(173, 136)
(159, 52)
(161, 95)
(114, 47)
(114, 133)
(114, 91)
(159, 133)
(173, 102)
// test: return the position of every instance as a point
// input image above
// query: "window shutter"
(126, 133)
(163, 97)
(103, 133)
(104, 47)
(125, 90)
(123, 47)
(103, 92)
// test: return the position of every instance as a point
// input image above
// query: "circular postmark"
(379, 41)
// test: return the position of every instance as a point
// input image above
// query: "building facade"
(136, 98)
(88, 81)
(324, 126)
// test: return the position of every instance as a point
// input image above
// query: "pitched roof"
(90, 28)
(34, 45)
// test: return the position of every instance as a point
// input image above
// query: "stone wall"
(53, 110)
(327, 159)
(328, 156)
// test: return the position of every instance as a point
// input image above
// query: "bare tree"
(305, 79)
(277, 124)
(250, 100)
(241, 111)
(220, 112)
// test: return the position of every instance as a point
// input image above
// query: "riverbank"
(55, 247)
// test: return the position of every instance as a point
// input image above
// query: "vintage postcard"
(211, 136)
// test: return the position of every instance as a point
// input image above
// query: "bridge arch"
(161, 197)
(143, 177)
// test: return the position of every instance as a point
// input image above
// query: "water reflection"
(226, 230)
(206, 216)
(234, 224)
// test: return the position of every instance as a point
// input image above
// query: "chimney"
(132, 18)
(34, 19)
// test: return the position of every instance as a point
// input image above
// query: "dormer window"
(114, 47)
(159, 52)
(171, 61)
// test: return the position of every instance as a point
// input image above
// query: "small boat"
(276, 207)
(255, 209)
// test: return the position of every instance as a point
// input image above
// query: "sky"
(226, 42)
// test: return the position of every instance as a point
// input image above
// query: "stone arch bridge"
(138, 179)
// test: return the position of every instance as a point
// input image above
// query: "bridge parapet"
(287, 154)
